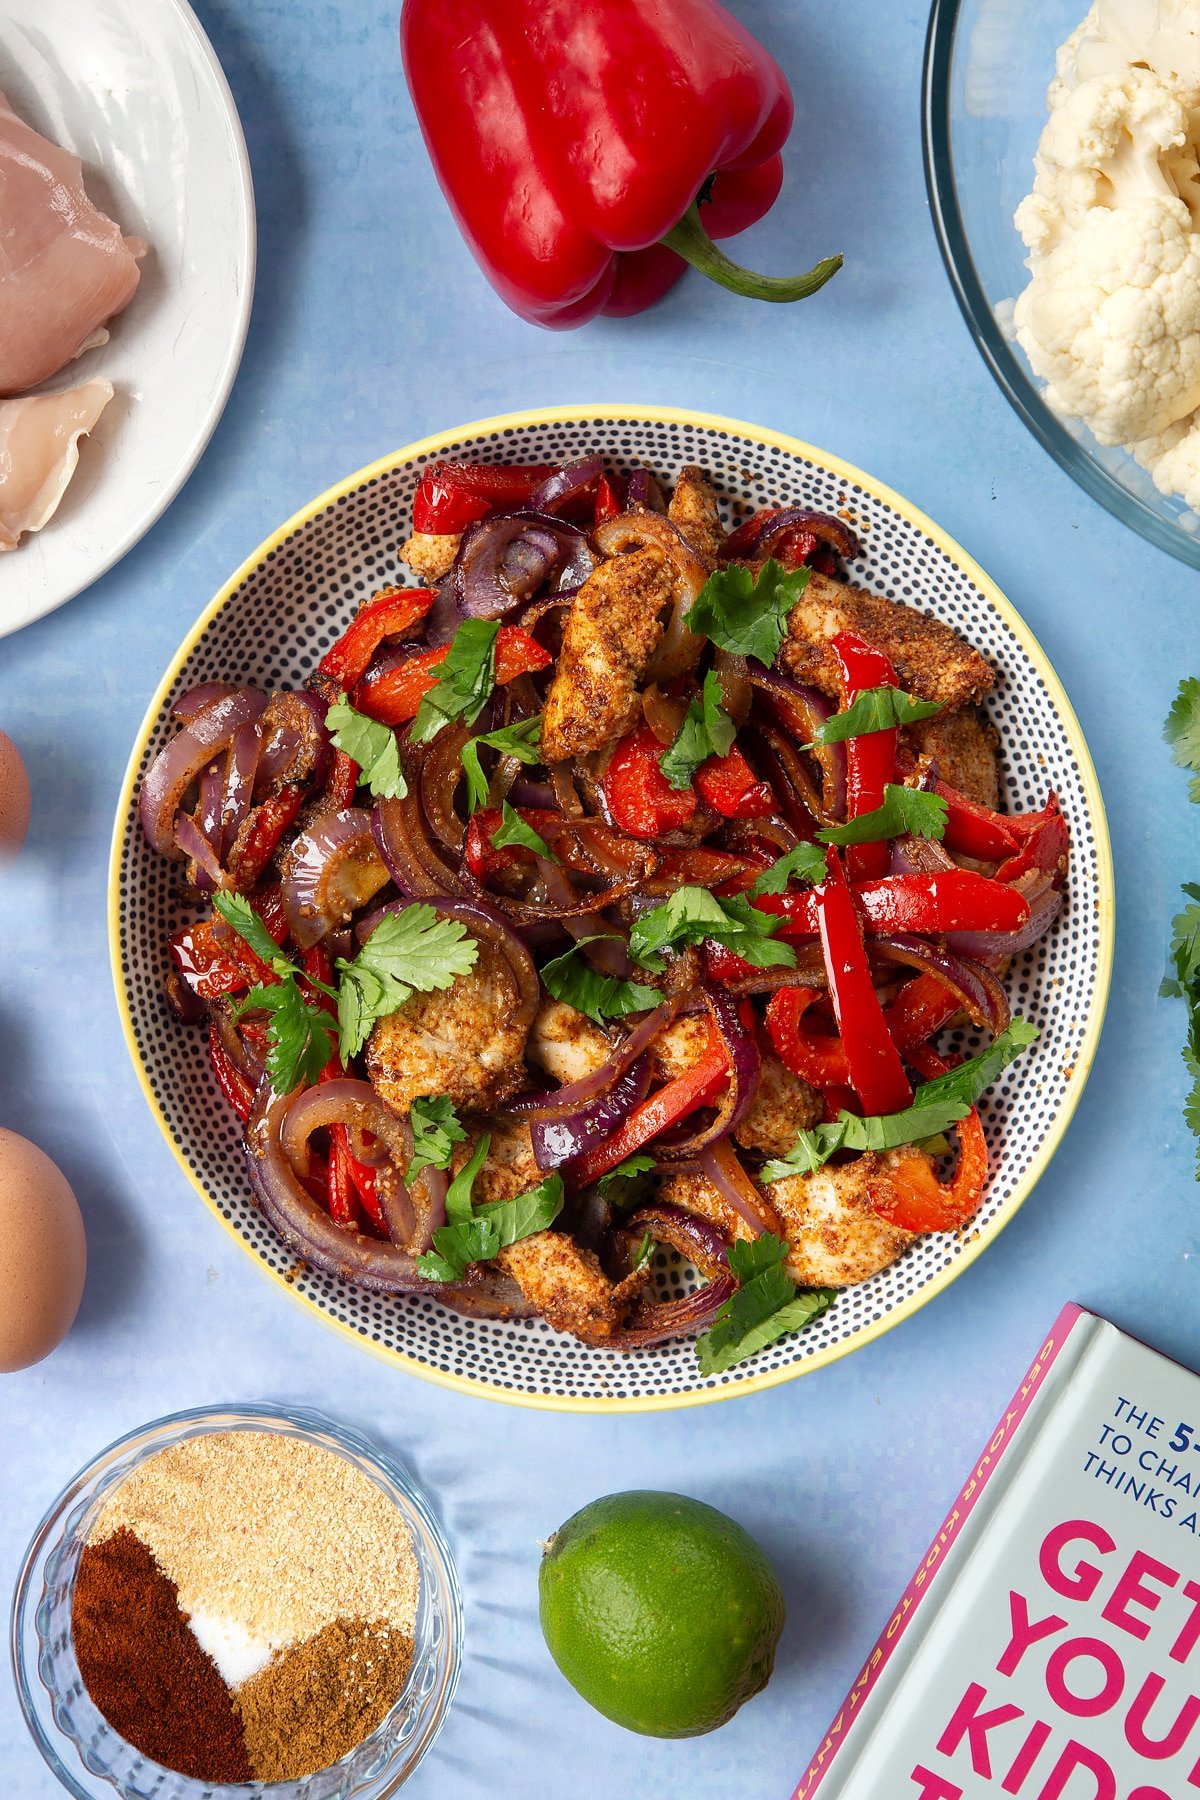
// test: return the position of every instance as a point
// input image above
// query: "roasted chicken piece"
(430, 554)
(459, 1041)
(611, 634)
(930, 658)
(964, 749)
(695, 514)
(835, 1236)
(566, 1044)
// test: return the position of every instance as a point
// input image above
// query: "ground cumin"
(318, 1700)
(144, 1669)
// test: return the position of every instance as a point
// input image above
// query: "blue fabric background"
(371, 327)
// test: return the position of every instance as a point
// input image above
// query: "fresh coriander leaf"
(693, 914)
(237, 911)
(374, 747)
(571, 978)
(624, 1186)
(299, 1035)
(476, 1234)
(745, 616)
(876, 709)
(707, 730)
(521, 1217)
(435, 1130)
(805, 863)
(522, 740)
(458, 1194)
(765, 1307)
(1182, 729)
(465, 679)
(512, 833)
(1184, 984)
(936, 1105)
(411, 951)
(456, 1247)
(642, 1255)
(904, 811)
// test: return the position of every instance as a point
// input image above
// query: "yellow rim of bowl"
(429, 446)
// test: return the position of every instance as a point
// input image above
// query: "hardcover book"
(1048, 1646)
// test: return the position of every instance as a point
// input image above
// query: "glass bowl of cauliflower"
(1062, 151)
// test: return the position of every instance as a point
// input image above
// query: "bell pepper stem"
(690, 240)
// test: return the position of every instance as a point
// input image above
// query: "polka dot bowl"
(270, 625)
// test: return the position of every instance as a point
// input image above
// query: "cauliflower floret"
(1164, 35)
(1173, 459)
(1111, 320)
(1110, 142)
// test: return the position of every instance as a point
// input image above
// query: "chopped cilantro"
(571, 978)
(805, 863)
(435, 1130)
(466, 677)
(745, 615)
(625, 1185)
(707, 730)
(299, 1031)
(766, 1306)
(522, 740)
(512, 832)
(415, 950)
(692, 914)
(876, 709)
(374, 747)
(904, 811)
(478, 1233)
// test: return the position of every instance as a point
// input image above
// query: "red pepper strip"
(870, 759)
(546, 103)
(363, 1177)
(610, 499)
(267, 824)
(720, 870)
(229, 1078)
(1045, 847)
(921, 1008)
(388, 614)
(214, 960)
(950, 900)
(724, 964)
(485, 859)
(342, 1209)
(701, 1085)
(452, 495)
(394, 696)
(819, 1060)
(639, 797)
(876, 1072)
(727, 784)
(343, 780)
(974, 830)
(918, 1201)
(793, 549)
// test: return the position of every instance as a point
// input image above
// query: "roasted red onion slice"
(382, 1268)
(179, 763)
(196, 847)
(1045, 903)
(240, 771)
(333, 868)
(572, 482)
(565, 1101)
(504, 561)
(801, 710)
(411, 1214)
(979, 990)
(402, 836)
(197, 698)
(763, 541)
(702, 1242)
(745, 1066)
(655, 1322)
(296, 746)
(560, 1140)
(919, 856)
(722, 1166)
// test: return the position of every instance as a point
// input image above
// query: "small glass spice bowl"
(91, 1760)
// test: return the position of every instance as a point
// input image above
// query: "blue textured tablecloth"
(371, 327)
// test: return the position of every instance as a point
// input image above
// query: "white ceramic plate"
(271, 623)
(134, 88)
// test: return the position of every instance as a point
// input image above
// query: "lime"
(663, 1613)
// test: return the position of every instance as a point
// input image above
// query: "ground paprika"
(145, 1670)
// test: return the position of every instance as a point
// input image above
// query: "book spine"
(919, 1588)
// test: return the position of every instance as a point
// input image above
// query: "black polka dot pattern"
(271, 629)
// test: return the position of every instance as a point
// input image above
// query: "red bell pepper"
(343, 780)
(394, 695)
(795, 549)
(229, 1078)
(911, 1196)
(610, 499)
(1045, 844)
(870, 759)
(950, 900)
(639, 797)
(214, 960)
(575, 141)
(701, 1085)
(261, 836)
(727, 785)
(975, 830)
(452, 495)
(388, 614)
(876, 1072)
(818, 1059)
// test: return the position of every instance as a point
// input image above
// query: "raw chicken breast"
(39, 448)
(64, 267)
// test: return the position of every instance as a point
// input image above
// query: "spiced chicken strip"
(612, 632)
(695, 514)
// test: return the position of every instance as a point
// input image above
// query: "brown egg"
(43, 1254)
(14, 799)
